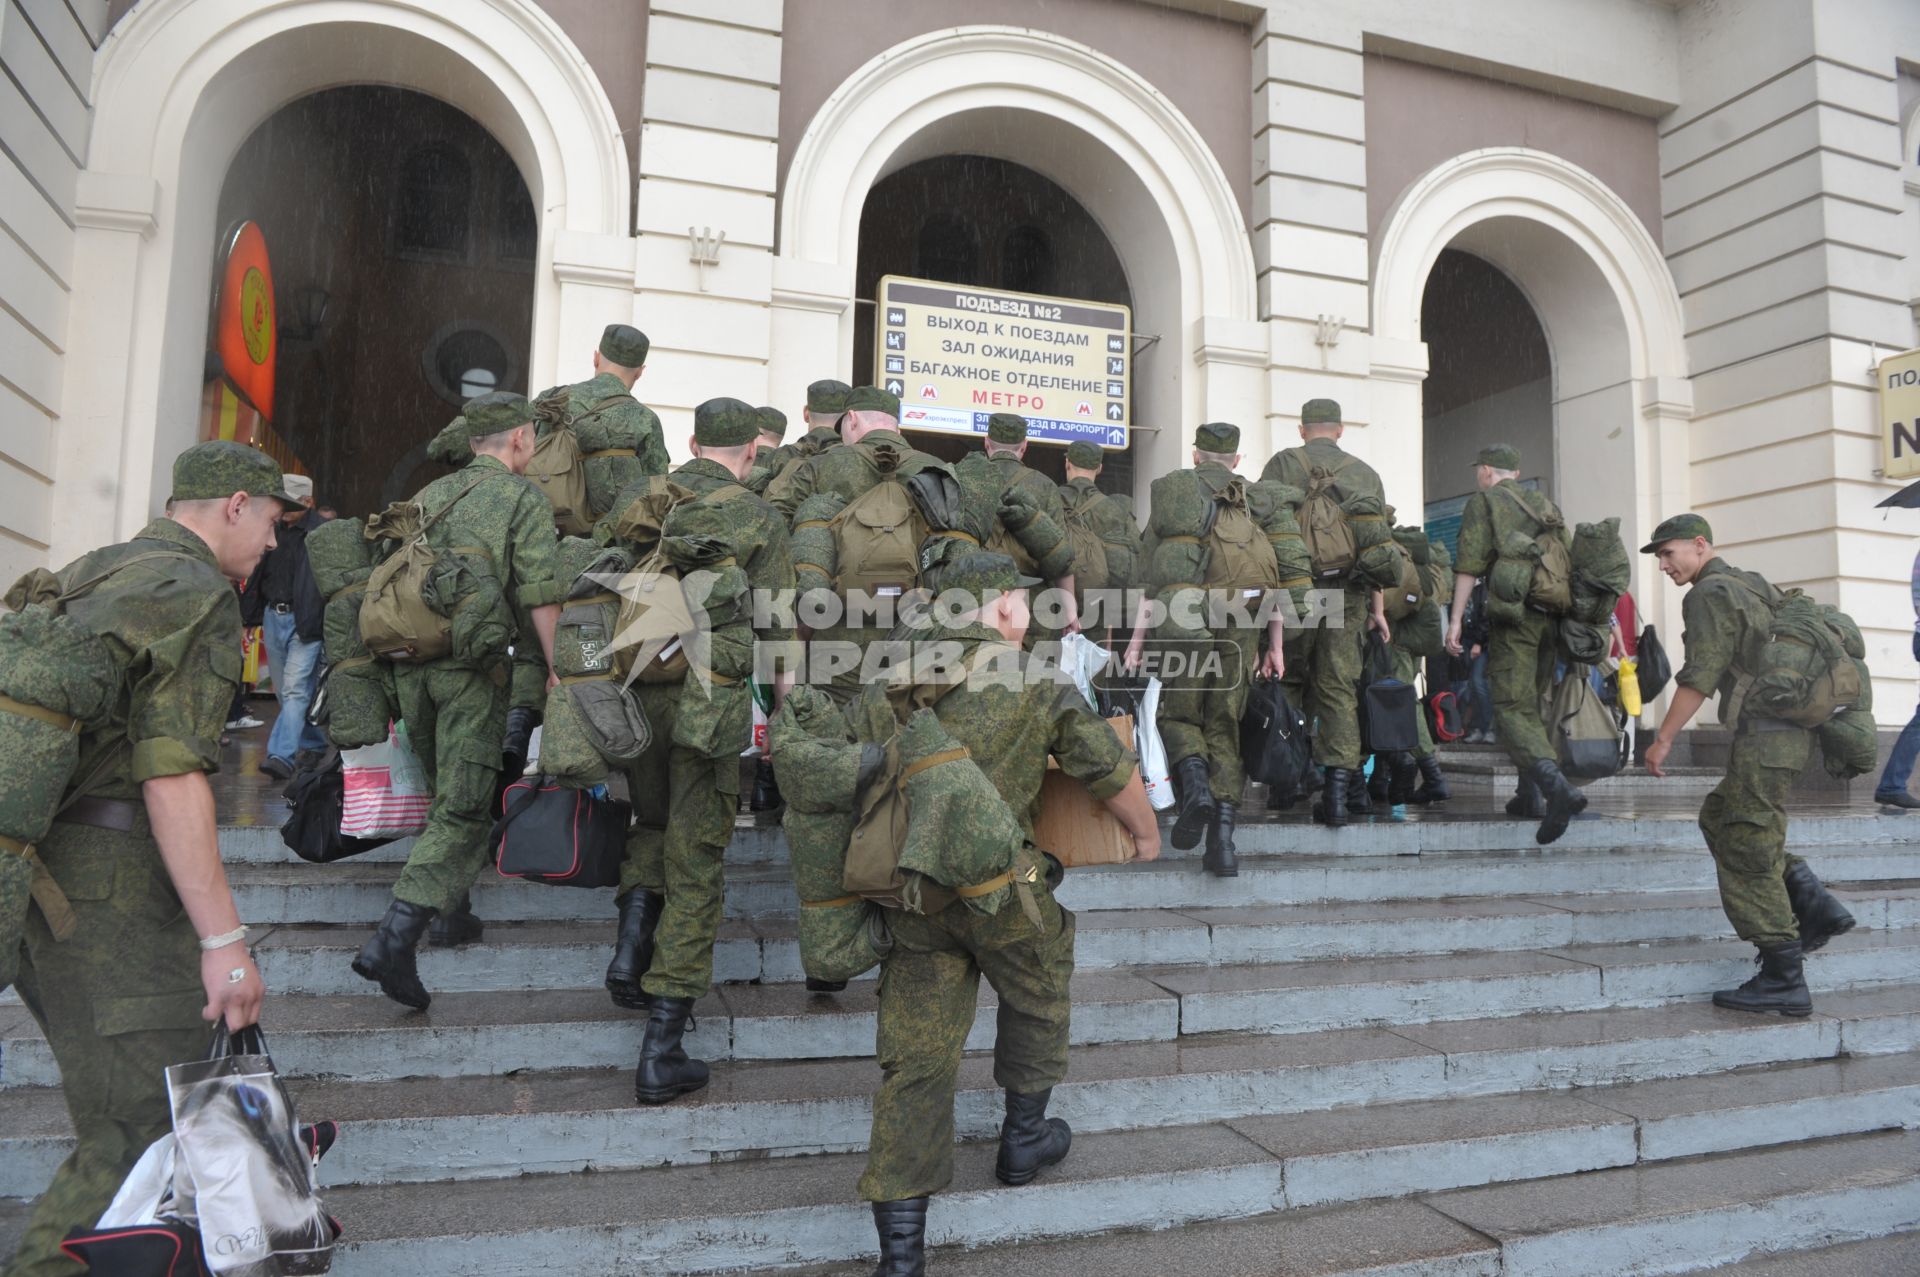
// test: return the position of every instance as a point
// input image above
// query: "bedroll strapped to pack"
(1531, 569)
(1600, 574)
(666, 529)
(422, 602)
(1812, 666)
(356, 707)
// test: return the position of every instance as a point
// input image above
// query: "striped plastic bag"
(385, 789)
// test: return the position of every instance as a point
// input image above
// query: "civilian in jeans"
(294, 616)
(1471, 690)
(1892, 789)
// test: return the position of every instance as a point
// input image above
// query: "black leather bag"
(317, 795)
(1274, 745)
(559, 836)
(1654, 669)
(1389, 708)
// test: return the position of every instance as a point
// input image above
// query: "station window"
(464, 360)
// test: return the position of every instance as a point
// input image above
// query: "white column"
(708, 155)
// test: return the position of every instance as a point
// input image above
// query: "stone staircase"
(1404, 1048)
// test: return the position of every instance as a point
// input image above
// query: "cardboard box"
(1076, 827)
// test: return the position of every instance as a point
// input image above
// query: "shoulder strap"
(458, 497)
(145, 557)
(1513, 494)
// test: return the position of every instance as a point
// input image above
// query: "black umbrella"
(1908, 498)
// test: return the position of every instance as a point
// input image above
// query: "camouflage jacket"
(846, 471)
(174, 624)
(1486, 520)
(505, 515)
(1112, 523)
(985, 480)
(1726, 625)
(633, 419)
(775, 462)
(759, 537)
(1011, 715)
(1352, 476)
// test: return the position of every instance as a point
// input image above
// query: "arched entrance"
(1083, 121)
(178, 89)
(1600, 288)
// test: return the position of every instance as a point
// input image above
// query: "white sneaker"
(244, 722)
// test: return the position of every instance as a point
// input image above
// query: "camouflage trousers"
(118, 1001)
(456, 718)
(683, 805)
(1200, 717)
(1324, 666)
(1520, 661)
(928, 987)
(1406, 668)
(1744, 820)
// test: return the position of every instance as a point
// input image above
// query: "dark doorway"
(1489, 380)
(968, 219)
(403, 239)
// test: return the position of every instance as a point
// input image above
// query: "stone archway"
(1601, 289)
(181, 84)
(1086, 122)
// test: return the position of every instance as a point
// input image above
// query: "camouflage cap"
(215, 470)
(1217, 436)
(725, 423)
(494, 412)
(625, 345)
(828, 397)
(1086, 454)
(772, 421)
(1007, 427)
(874, 399)
(1320, 412)
(1681, 527)
(1501, 456)
(982, 573)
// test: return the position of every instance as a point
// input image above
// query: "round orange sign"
(256, 315)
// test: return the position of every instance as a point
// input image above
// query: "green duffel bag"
(1424, 633)
(961, 834)
(567, 750)
(1849, 744)
(1582, 642)
(55, 679)
(816, 557)
(357, 704)
(16, 894)
(339, 555)
(843, 939)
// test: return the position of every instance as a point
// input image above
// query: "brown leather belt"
(103, 813)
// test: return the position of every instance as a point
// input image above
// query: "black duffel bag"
(1389, 708)
(317, 794)
(1652, 665)
(563, 837)
(1274, 745)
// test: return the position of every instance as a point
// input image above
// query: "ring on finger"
(237, 976)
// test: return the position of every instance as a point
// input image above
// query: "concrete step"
(354, 893)
(1423, 832)
(573, 955)
(545, 1120)
(1896, 1255)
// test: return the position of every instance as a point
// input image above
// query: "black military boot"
(633, 947)
(388, 957)
(1526, 803)
(766, 790)
(1359, 798)
(1433, 783)
(1780, 985)
(903, 1237)
(1563, 801)
(1029, 1139)
(825, 986)
(458, 926)
(1221, 860)
(1819, 911)
(666, 1071)
(1330, 809)
(1195, 810)
(1379, 780)
(1402, 778)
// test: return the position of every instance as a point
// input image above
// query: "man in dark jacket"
(294, 611)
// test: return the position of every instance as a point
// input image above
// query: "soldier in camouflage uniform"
(987, 478)
(1010, 716)
(1773, 899)
(1108, 516)
(872, 424)
(1330, 682)
(158, 948)
(1200, 712)
(826, 405)
(1520, 655)
(774, 454)
(456, 713)
(684, 797)
(618, 362)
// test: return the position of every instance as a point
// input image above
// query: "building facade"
(1659, 245)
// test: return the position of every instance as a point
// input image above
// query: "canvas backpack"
(1550, 589)
(1090, 568)
(558, 467)
(1239, 556)
(877, 535)
(1324, 527)
(1811, 667)
(654, 611)
(397, 620)
(1410, 593)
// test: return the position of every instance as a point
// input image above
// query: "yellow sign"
(1900, 415)
(957, 355)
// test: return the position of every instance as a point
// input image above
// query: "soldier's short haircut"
(495, 441)
(995, 448)
(204, 506)
(1218, 458)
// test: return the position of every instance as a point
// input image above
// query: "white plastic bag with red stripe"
(385, 789)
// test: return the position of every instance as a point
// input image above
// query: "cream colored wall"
(46, 50)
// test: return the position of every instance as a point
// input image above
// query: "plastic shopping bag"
(237, 1144)
(1153, 752)
(1629, 676)
(762, 706)
(386, 794)
(1082, 658)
